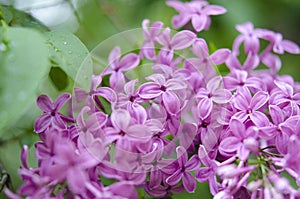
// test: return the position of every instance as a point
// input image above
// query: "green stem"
(272, 154)
(268, 147)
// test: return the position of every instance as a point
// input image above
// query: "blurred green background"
(93, 21)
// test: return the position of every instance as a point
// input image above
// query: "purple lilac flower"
(291, 160)
(249, 36)
(197, 12)
(179, 41)
(207, 173)
(251, 62)
(150, 34)
(285, 96)
(69, 165)
(90, 97)
(241, 142)
(278, 44)
(212, 94)
(131, 100)
(164, 88)
(51, 116)
(240, 78)
(206, 62)
(164, 190)
(281, 129)
(123, 131)
(249, 107)
(118, 65)
(183, 169)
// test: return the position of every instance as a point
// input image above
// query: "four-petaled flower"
(51, 117)
(118, 65)
(196, 11)
(182, 171)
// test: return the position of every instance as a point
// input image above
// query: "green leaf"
(17, 18)
(59, 78)
(23, 63)
(69, 53)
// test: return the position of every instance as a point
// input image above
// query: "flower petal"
(214, 83)
(42, 123)
(189, 182)
(259, 99)
(155, 178)
(221, 96)
(117, 81)
(259, 119)
(183, 39)
(107, 93)
(276, 114)
(251, 62)
(205, 107)
(214, 10)
(180, 20)
(120, 119)
(128, 62)
(114, 57)
(44, 102)
(243, 152)
(171, 102)
(182, 156)
(281, 142)
(229, 145)
(290, 47)
(76, 180)
(272, 61)
(285, 87)
(149, 90)
(148, 50)
(139, 132)
(187, 134)
(220, 56)
(193, 163)
(199, 22)
(237, 128)
(202, 174)
(174, 178)
(164, 38)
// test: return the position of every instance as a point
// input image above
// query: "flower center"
(122, 133)
(132, 98)
(163, 88)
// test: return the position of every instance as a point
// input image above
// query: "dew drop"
(70, 52)
(65, 43)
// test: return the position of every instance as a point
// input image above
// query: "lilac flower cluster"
(181, 125)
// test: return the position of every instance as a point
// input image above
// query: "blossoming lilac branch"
(181, 125)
